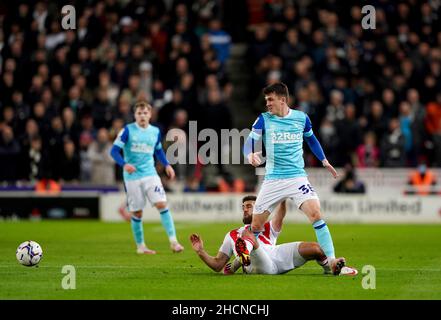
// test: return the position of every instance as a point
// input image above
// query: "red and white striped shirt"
(266, 238)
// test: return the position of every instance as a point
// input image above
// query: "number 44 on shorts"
(306, 188)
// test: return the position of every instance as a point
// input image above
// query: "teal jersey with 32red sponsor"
(283, 141)
(139, 146)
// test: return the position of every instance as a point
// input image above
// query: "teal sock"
(137, 229)
(324, 238)
(168, 224)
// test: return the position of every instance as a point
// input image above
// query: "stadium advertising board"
(341, 209)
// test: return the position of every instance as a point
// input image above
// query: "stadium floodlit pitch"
(406, 258)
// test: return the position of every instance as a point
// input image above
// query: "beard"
(247, 219)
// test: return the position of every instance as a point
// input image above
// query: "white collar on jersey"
(141, 128)
(289, 113)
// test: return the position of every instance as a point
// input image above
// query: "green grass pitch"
(407, 261)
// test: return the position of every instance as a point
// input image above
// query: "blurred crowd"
(65, 94)
(373, 95)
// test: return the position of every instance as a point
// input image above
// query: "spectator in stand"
(146, 78)
(335, 110)
(9, 154)
(433, 116)
(102, 164)
(368, 154)
(101, 109)
(35, 159)
(216, 115)
(291, 49)
(179, 129)
(421, 180)
(322, 52)
(417, 115)
(70, 163)
(131, 92)
(220, 40)
(167, 112)
(329, 140)
(349, 133)
(349, 182)
(406, 124)
(193, 184)
(123, 110)
(204, 11)
(71, 129)
(433, 126)
(393, 153)
(390, 106)
(377, 121)
(111, 89)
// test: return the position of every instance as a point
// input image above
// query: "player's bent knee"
(137, 214)
(161, 205)
(314, 215)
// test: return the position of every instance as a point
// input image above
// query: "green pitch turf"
(407, 261)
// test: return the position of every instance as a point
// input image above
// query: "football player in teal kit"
(283, 130)
(140, 142)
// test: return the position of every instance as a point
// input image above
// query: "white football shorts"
(146, 189)
(274, 191)
(286, 256)
(277, 259)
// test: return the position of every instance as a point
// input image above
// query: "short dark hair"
(249, 198)
(279, 88)
(141, 104)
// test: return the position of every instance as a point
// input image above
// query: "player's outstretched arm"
(215, 263)
(330, 168)
(317, 149)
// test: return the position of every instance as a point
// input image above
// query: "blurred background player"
(282, 130)
(140, 141)
(261, 256)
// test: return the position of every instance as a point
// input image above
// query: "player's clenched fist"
(129, 168)
(254, 158)
(170, 172)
